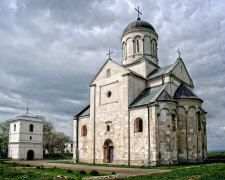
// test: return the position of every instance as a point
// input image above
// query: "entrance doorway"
(30, 155)
(108, 151)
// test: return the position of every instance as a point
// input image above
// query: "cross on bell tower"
(109, 53)
(27, 110)
(138, 13)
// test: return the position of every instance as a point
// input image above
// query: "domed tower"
(139, 44)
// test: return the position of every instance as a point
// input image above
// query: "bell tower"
(139, 44)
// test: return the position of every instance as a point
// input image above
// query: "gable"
(109, 69)
(180, 72)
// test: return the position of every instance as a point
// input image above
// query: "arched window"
(84, 130)
(137, 44)
(14, 127)
(31, 128)
(138, 125)
(173, 122)
(108, 128)
(124, 51)
(154, 48)
(30, 137)
(199, 122)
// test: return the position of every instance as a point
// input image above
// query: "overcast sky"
(50, 50)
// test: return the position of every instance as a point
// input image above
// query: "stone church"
(141, 113)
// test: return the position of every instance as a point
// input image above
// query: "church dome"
(139, 24)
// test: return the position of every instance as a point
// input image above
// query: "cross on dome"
(138, 13)
(109, 53)
(27, 110)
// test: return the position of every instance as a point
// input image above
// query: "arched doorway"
(30, 155)
(108, 151)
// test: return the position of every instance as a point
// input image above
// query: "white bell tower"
(25, 137)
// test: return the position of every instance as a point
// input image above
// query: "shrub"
(38, 167)
(82, 172)
(94, 173)
(69, 171)
(52, 169)
(113, 172)
(42, 167)
(13, 164)
(28, 165)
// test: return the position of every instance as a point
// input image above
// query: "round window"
(109, 93)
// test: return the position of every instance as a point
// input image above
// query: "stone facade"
(140, 113)
(25, 138)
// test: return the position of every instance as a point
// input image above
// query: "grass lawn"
(201, 172)
(19, 171)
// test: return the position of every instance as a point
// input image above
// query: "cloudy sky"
(51, 49)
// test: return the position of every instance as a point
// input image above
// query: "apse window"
(109, 94)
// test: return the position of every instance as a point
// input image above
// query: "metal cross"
(138, 13)
(179, 52)
(109, 53)
(27, 110)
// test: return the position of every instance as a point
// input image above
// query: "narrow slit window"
(199, 122)
(108, 128)
(173, 122)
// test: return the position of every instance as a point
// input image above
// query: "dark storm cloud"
(51, 49)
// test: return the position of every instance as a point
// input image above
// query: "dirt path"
(121, 171)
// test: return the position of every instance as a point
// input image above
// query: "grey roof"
(204, 111)
(139, 60)
(139, 24)
(160, 71)
(184, 93)
(27, 117)
(136, 74)
(165, 96)
(147, 96)
(84, 112)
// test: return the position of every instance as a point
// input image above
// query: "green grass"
(21, 171)
(216, 155)
(212, 171)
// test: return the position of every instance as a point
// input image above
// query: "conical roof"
(165, 96)
(184, 93)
